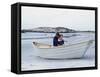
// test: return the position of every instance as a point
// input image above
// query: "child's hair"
(61, 34)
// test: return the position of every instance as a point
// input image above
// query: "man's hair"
(57, 34)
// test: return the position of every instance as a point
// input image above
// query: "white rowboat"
(76, 50)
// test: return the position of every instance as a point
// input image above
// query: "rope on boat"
(89, 44)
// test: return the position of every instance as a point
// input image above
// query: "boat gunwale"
(64, 45)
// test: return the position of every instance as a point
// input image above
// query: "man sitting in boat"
(57, 40)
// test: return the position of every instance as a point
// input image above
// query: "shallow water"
(31, 62)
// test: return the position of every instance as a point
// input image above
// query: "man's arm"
(55, 42)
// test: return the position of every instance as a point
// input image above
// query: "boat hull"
(70, 51)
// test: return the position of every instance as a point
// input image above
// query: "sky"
(76, 19)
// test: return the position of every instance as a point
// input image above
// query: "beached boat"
(76, 50)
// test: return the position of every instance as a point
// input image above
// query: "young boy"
(60, 40)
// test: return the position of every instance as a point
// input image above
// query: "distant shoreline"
(55, 32)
